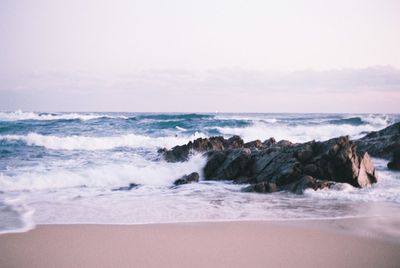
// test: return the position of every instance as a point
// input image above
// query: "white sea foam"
(376, 120)
(15, 215)
(180, 128)
(253, 118)
(297, 133)
(99, 143)
(21, 115)
(139, 171)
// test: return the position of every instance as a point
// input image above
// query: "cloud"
(378, 78)
(221, 89)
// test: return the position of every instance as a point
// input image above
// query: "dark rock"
(394, 163)
(183, 152)
(192, 177)
(280, 166)
(269, 142)
(228, 164)
(306, 182)
(283, 168)
(127, 188)
(284, 143)
(261, 187)
(257, 144)
(297, 187)
(381, 143)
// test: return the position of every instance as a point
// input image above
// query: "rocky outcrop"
(192, 177)
(271, 166)
(127, 188)
(394, 163)
(382, 143)
(293, 167)
(182, 152)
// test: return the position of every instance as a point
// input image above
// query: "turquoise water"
(63, 168)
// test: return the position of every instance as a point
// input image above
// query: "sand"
(219, 244)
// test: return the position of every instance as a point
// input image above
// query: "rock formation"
(271, 166)
(382, 143)
(192, 177)
(395, 161)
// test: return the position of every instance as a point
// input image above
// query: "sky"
(200, 56)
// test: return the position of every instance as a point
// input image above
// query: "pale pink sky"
(230, 55)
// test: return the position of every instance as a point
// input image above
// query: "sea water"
(67, 168)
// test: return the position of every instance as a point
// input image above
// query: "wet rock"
(228, 164)
(366, 173)
(261, 187)
(267, 143)
(297, 187)
(394, 163)
(127, 188)
(192, 177)
(306, 182)
(281, 166)
(290, 167)
(381, 143)
(183, 152)
(257, 144)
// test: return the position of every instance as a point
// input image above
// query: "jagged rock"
(182, 152)
(381, 143)
(366, 173)
(287, 166)
(192, 177)
(261, 187)
(228, 164)
(296, 187)
(127, 188)
(271, 166)
(257, 144)
(394, 163)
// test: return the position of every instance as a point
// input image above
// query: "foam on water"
(100, 143)
(297, 133)
(66, 171)
(20, 115)
(137, 170)
(15, 215)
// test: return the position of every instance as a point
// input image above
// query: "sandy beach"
(220, 244)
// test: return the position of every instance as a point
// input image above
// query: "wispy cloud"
(380, 78)
(222, 89)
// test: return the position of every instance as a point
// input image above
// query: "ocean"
(69, 168)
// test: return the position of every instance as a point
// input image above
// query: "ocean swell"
(99, 143)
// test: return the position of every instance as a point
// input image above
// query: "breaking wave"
(139, 171)
(99, 143)
(303, 132)
(20, 115)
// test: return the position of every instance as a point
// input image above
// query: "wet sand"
(218, 244)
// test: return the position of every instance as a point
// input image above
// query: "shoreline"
(301, 243)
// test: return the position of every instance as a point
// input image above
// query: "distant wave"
(381, 120)
(99, 143)
(355, 121)
(20, 115)
(297, 133)
(250, 118)
(174, 116)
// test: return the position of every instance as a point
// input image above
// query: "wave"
(100, 143)
(298, 133)
(247, 118)
(375, 120)
(20, 116)
(173, 116)
(355, 121)
(139, 171)
(16, 215)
